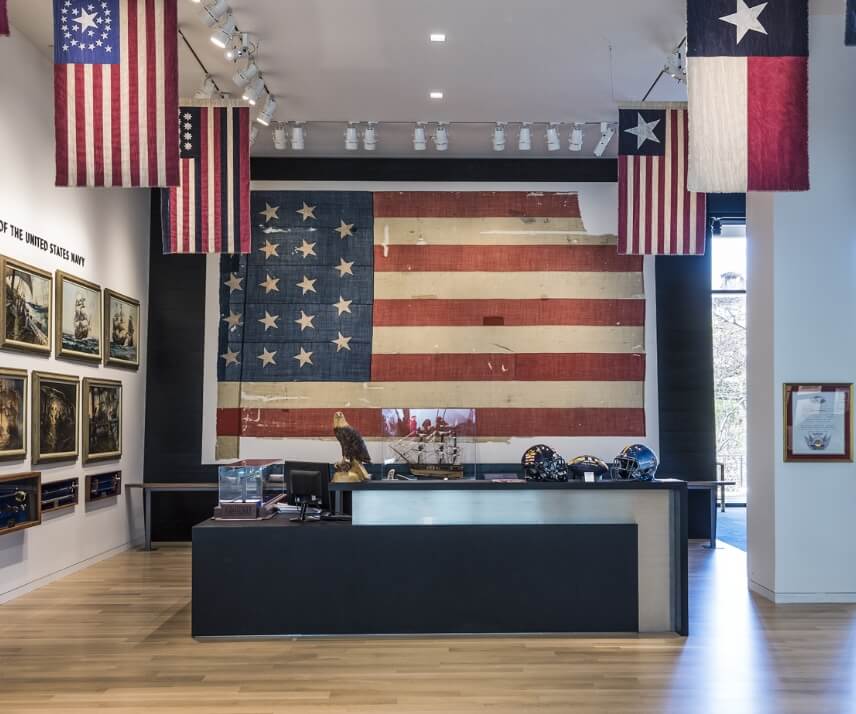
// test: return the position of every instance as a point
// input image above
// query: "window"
(728, 257)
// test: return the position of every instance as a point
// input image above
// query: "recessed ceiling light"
(436, 95)
(438, 37)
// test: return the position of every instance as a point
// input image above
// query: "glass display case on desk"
(429, 443)
(249, 489)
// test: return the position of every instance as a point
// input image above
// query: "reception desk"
(453, 557)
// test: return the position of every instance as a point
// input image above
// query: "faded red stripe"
(204, 177)
(173, 233)
(244, 227)
(170, 108)
(80, 123)
(186, 238)
(133, 93)
(301, 423)
(219, 236)
(506, 368)
(673, 228)
(98, 122)
(4, 18)
(778, 123)
(116, 124)
(649, 210)
(151, 96)
(503, 258)
(622, 206)
(61, 123)
(662, 197)
(510, 313)
(636, 246)
(475, 204)
(701, 222)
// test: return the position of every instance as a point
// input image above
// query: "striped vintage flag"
(850, 22)
(116, 92)
(656, 213)
(495, 302)
(4, 18)
(209, 211)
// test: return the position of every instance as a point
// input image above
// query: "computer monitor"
(307, 485)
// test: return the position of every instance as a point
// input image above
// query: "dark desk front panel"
(277, 578)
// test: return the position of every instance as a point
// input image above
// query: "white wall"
(802, 312)
(110, 228)
(599, 208)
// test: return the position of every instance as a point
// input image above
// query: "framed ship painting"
(818, 422)
(13, 414)
(121, 330)
(78, 314)
(25, 321)
(54, 417)
(102, 419)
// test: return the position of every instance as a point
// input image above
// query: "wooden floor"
(116, 637)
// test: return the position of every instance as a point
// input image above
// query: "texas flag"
(747, 67)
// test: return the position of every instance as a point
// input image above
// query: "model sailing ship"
(431, 450)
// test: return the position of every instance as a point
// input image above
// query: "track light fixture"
(676, 66)
(244, 49)
(266, 116)
(524, 138)
(441, 137)
(254, 134)
(352, 142)
(575, 142)
(297, 137)
(222, 37)
(607, 131)
(370, 136)
(243, 77)
(211, 13)
(420, 143)
(499, 137)
(254, 91)
(207, 89)
(280, 137)
(554, 142)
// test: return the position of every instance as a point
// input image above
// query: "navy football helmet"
(580, 466)
(635, 463)
(541, 463)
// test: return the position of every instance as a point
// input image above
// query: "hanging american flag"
(656, 213)
(500, 303)
(747, 67)
(209, 211)
(850, 37)
(116, 92)
(4, 18)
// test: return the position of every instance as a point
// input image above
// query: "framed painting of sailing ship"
(102, 419)
(121, 330)
(13, 413)
(78, 314)
(54, 417)
(25, 321)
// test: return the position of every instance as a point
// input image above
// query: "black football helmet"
(635, 463)
(541, 463)
(580, 466)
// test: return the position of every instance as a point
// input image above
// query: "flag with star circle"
(116, 92)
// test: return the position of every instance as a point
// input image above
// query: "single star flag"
(4, 18)
(657, 215)
(209, 211)
(850, 36)
(116, 92)
(386, 303)
(747, 76)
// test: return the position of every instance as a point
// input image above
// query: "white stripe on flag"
(160, 101)
(71, 117)
(107, 123)
(124, 98)
(631, 217)
(191, 206)
(88, 114)
(668, 190)
(718, 106)
(643, 199)
(681, 189)
(142, 97)
(179, 206)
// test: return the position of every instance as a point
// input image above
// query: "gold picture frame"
(102, 419)
(121, 345)
(78, 333)
(54, 417)
(820, 429)
(27, 312)
(13, 413)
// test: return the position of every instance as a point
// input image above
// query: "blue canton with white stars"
(299, 306)
(86, 31)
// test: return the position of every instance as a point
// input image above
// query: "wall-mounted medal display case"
(101, 486)
(60, 495)
(20, 501)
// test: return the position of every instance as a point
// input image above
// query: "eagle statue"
(354, 452)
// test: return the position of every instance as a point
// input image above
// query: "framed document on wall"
(818, 422)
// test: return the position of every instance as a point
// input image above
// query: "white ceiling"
(505, 60)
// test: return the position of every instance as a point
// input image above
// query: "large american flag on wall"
(4, 18)
(116, 92)
(498, 302)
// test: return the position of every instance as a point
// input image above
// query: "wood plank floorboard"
(116, 638)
